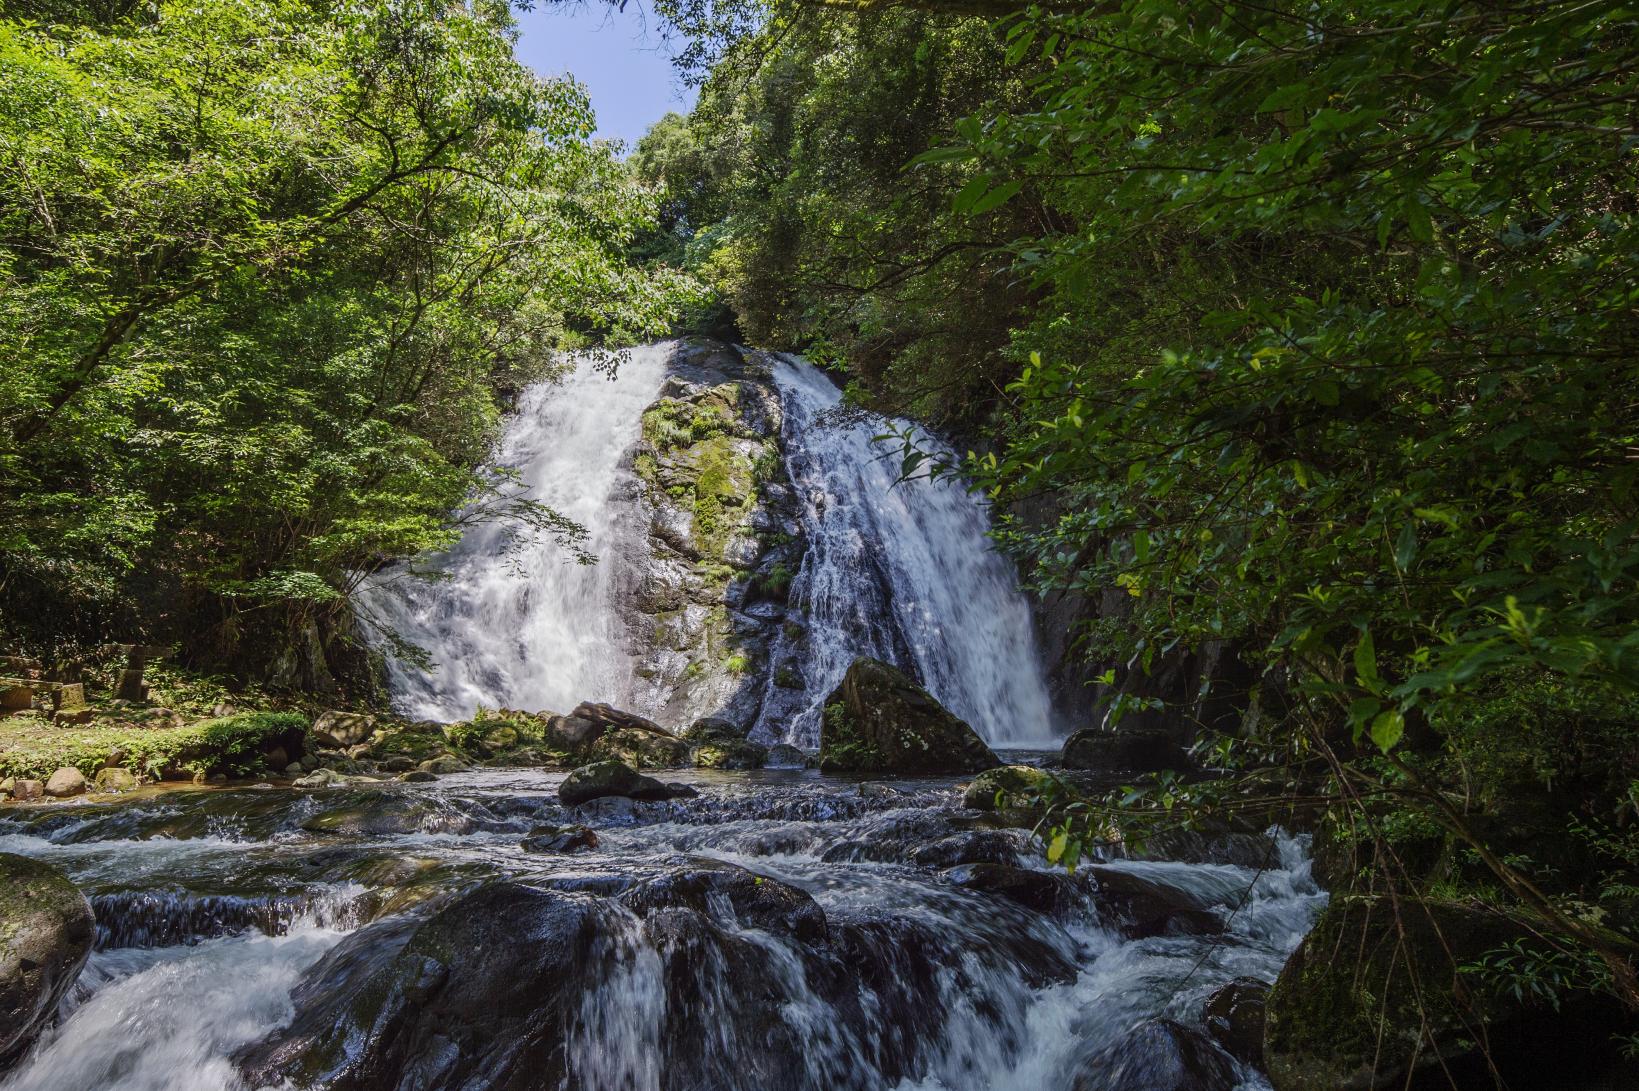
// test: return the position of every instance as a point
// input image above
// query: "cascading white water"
(899, 571)
(902, 571)
(530, 629)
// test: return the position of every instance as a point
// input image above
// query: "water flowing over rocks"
(769, 928)
(751, 543)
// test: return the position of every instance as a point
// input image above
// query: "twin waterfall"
(900, 571)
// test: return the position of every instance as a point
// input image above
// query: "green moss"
(789, 678)
(30, 748)
(738, 663)
(841, 748)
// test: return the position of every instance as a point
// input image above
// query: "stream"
(213, 905)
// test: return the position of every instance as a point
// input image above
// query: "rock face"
(46, 931)
(1345, 1014)
(879, 721)
(703, 591)
(609, 778)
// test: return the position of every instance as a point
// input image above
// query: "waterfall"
(530, 629)
(903, 572)
(900, 571)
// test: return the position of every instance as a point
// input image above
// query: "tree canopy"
(268, 271)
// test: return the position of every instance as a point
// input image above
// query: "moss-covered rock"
(879, 721)
(1016, 786)
(1375, 997)
(737, 754)
(643, 749)
(46, 929)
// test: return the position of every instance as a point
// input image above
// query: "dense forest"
(1310, 330)
(1295, 347)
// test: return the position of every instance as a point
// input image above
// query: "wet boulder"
(1144, 905)
(972, 847)
(342, 729)
(387, 813)
(1042, 891)
(1158, 1055)
(1142, 750)
(559, 840)
(785, 756)
(609, 778)
(1234, 1017)
(755, 900)
(46, 931)
(879, 721)
(1015, 786)
(1346, 1013)
(642, 749)
(477, 995)
(443, 765)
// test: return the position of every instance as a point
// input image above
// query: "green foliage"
(267, 271)
(230, 743)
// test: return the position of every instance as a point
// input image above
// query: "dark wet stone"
(757, 901)
(1234, 1017)
(475, 996)
(1044, 892)
(560, 839)
(609, 778)
(1145, 906)
(1158, 1055)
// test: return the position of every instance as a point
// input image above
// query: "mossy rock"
(643, 749)
(737, 754)
(1374, 997)
(46, 930)
(879, 721)
(1018, 785)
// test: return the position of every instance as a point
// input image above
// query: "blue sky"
(618, 56)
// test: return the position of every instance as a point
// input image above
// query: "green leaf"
(1365, 659)
(1387, 729)
(1055, 849)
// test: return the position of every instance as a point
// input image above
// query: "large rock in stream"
(879, 721)
(1375, 998)
(707, 976)
(46, 930)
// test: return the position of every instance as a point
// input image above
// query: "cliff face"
(703, 582)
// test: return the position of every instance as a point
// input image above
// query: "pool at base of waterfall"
(778, 929)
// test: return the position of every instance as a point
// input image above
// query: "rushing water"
(944, 988)
(900, 571)
(529, 628)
